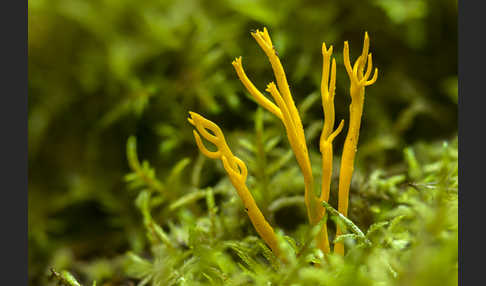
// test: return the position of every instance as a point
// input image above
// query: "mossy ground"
(150, 209)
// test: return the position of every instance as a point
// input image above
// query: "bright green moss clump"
(413, 240)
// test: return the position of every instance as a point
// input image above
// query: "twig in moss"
(65, 278)
(347, 222)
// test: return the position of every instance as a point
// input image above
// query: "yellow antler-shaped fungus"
(286, 111)
(284, 108)
(237, 172)
(359, 80)
(327, 136)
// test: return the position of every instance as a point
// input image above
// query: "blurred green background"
(102, 70)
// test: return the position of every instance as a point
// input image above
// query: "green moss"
(157, 213)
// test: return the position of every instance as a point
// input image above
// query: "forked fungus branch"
(284, 108)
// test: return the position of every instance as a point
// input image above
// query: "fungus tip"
(236, 61)
(270, 86)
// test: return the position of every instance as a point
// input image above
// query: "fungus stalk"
(286, 111)
(359, 80)
(328, 88)
(284, 108)
(237, 173)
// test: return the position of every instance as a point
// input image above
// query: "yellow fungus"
(328, 87)
(284, 108)
(237, 173)
(257, 95)
(359, 80)
(285, 111)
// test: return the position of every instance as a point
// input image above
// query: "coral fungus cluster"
(284, 108)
